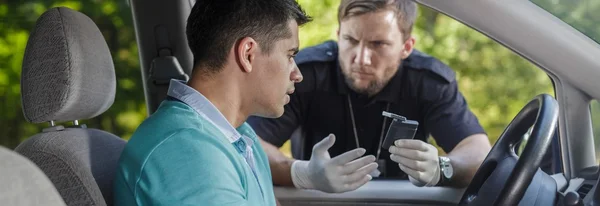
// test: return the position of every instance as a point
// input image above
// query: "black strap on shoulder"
(419, 60)
(324, 52)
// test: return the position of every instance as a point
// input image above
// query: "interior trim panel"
(376, 192)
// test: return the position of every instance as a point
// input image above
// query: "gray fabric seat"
(68, 75)
(24, 184)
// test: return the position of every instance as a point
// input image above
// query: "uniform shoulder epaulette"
(419, 60)
(324, 52)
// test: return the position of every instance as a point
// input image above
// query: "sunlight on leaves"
(126, 83)
(75, 5)
(129, 120)
(109, 8)
(3, 79)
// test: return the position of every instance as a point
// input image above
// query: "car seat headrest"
(68, 72)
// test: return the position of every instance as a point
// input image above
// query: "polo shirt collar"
(184, 93)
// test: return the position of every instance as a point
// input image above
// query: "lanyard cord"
(356, 133)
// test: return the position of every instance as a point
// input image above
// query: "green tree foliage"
(495, 82)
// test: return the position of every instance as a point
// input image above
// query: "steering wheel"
(503, 177)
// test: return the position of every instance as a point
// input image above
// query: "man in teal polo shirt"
(196, 149)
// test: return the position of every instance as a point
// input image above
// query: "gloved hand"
(418, 159)
(333, 175)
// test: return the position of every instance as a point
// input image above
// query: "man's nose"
(296, 75)
(363, 56)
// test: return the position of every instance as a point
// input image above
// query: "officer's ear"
(409, 45)
(246, 51)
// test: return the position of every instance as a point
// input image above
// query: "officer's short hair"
(406, 11)
(214, 26)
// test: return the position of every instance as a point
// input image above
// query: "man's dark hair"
(214, 26)
(405, 10)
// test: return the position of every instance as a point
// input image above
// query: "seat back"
(68, 75)
(24, 184)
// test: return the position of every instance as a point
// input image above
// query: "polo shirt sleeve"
(447, 114)
(181, 172)
(278, 130)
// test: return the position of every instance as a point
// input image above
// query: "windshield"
(583, 15)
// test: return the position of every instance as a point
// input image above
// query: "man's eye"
(351, 40)
(378, 44)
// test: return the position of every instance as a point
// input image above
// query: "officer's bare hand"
(343, 173)
(418, 159)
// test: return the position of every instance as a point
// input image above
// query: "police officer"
(373, 68)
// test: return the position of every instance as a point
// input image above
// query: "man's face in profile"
(277, 73)
(370, 47)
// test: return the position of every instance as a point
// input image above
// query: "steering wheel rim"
(542, 114)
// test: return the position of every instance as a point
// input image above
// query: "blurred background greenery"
(496, 82)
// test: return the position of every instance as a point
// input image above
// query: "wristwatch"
(446, 171)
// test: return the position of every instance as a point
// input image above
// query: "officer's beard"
(372, 88)
(375, 86)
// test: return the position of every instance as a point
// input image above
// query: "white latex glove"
(418, 159)
(333, 175)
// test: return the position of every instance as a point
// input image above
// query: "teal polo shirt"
(184, 154)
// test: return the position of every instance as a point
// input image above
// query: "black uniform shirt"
(424, 89)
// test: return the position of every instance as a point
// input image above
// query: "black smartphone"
(400, 128)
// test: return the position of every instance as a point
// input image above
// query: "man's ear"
(246, 51)
(409, 45)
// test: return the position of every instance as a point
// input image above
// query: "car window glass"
(582, 15)
(495, 81)
(595, 112)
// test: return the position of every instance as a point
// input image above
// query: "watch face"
(448, 171)
(446, 167)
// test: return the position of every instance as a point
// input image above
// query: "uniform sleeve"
(278, 130)
(447, 114)
(183, 173)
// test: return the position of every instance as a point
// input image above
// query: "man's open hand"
(339, 174)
